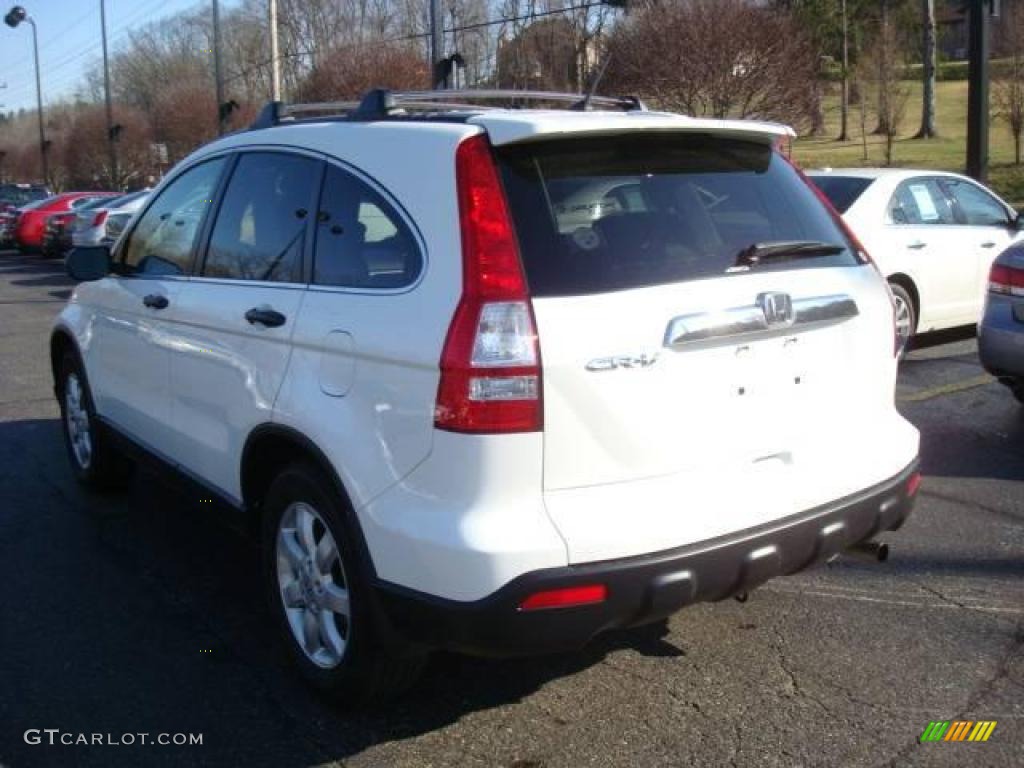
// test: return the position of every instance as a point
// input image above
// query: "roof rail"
(381, 103)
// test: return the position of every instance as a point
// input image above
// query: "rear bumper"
(1001, 336)
(647, 588)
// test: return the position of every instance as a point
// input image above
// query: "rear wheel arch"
(62, 342)
(907, 283)
(268, 450)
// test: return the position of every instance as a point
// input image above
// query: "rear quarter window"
(605, 214)
(842, 191)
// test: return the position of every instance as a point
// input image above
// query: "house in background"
(952, 27)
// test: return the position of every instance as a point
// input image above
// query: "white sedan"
(933, 235)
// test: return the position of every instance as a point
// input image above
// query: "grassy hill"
(948, 152)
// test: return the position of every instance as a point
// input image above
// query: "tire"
(906, 315)
(325, 615)
(95, 461)
(1017, 388)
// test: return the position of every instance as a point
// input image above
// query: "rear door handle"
(988, 244)
(917, 245)
(155, 301)
(264, 316)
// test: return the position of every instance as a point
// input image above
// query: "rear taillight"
(490, 365)
(1006, 280)
(99, 218)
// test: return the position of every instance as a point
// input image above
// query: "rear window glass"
(605, 214)
(842, 191)
(99, 202)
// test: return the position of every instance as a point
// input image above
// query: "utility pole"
(436, 45)
(275, 60)
(111, 134)
(217, 72)
(977, 89)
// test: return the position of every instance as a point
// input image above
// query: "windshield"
(19, 196)
(842, 191)
(611, 213)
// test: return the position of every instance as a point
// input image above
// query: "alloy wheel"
(313, 587)
(904, 322)
(77, 419)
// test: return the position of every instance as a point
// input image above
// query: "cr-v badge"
(643, 360)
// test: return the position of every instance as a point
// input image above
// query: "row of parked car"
(34, 220)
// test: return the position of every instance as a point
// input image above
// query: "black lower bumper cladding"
(647, 588)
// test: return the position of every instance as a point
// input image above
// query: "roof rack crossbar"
(381, 103)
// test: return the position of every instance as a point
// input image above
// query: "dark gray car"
(1001, 331)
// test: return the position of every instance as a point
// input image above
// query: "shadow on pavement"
(938, 338)
(44, 282)
(133, 613)
(13, 263)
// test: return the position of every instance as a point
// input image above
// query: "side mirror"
(1018, 222)
(86, 264)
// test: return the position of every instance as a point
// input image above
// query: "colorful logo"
(958, 730)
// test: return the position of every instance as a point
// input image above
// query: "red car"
(28, 228)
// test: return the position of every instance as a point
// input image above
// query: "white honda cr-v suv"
(489, 379)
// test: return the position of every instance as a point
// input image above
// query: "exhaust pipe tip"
(873, 551)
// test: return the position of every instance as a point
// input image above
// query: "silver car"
(102, 225)
(1001, 331)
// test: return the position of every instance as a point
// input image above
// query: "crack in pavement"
(798, 690)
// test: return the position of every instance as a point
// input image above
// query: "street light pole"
(111, 137)
(14, 17)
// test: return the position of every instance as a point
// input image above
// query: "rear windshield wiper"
(785, 250)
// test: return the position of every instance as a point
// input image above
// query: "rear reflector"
(913, 484)
(1006, 280)
(565, 598)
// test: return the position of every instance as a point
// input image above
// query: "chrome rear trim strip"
(751, 321)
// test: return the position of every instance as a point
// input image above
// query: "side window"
(162, 242)
(979, 208)
(920, 201)
(260, 231)
(361, 241)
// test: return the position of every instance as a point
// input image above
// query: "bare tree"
(717, 57)
(844, 87)
(883, 60)
(88, 165)
(928, 48)
(352, 70)
(1008, 87)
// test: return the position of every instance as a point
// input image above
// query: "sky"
(69, 42)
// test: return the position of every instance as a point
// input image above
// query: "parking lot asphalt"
(138, 614)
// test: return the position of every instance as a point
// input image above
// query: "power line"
(423, 35)
(120, 32)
